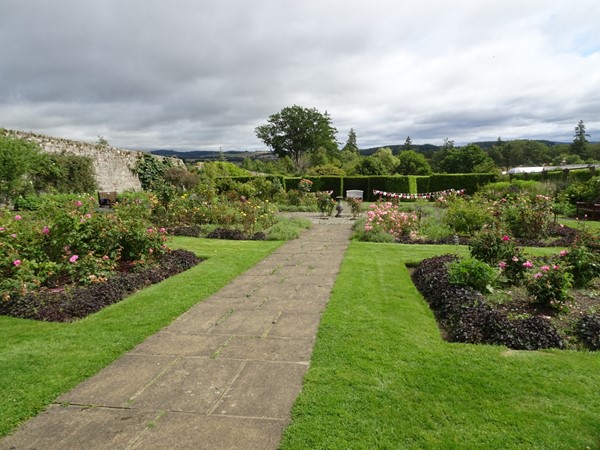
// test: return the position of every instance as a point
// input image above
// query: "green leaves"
(296, 130)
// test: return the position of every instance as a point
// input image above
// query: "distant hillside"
(238, 155)
(429, 148)
(208, 155)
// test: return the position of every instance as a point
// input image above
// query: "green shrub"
(28, 203)
(491, 246)
(64, 173)
(527, 217)
(474, 273)
(434, 229)
(466, 217)
(582, 260)
(513, 267)
(325, 203)
(550, 286)
(150, 170)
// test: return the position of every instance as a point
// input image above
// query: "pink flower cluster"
(388, 218)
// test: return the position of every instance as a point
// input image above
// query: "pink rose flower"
(502, 264)
(73, 258)
(564, 252)
(18, 217)
(46, 230)
(545, 268)
(537, 275)
(78, 203)
(527, 264)
(105, 257)
(505, 238)
(17, 262)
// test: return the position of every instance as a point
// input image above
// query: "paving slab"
(268, 349)
(75, 427)
(184, 431)
(224, 375)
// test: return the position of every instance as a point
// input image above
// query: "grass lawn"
(579, 224)
(40, 360)
(382, 377)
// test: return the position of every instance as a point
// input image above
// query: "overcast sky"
(200, 74)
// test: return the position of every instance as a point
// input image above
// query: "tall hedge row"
(469, 181)
(405, 184)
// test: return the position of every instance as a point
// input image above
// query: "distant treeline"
(238, 155)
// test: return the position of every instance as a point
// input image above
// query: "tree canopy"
(580, 141)
(296, 130)
(413, 163)
(351, 145)
(468, 159)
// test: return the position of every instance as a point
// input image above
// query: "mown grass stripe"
(382, 377)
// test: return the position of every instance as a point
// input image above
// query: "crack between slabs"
(233, 380)
(162, 372)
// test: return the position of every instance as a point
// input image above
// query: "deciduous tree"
(468, 159)
(413, 163)
(296, 130)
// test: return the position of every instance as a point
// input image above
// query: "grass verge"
(41, 360)
(382, 377)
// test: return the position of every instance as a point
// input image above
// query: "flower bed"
(466, 315)
(65, 304)
(68, 258)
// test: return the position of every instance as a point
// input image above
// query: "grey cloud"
(202, 74)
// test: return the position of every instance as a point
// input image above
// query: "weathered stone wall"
(115, 167)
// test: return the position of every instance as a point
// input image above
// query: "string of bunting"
(423, 195)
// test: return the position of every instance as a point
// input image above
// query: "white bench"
(354, 194)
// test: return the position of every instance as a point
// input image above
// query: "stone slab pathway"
(224, 375)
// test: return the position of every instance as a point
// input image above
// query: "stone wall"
(115, 167)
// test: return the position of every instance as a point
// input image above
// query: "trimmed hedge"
(423, 183)
(581, 175)
(469, 181)
(358, 183)
(405, 184)
(290, 183)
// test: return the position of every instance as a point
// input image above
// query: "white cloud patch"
(203, 75)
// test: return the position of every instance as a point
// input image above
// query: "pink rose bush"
(386, 217)
(72, 241)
